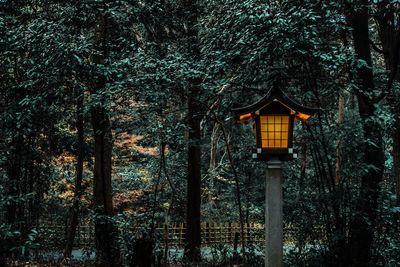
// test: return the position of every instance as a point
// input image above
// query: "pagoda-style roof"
(274, 95)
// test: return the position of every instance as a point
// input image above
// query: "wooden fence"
(213, 233)
(172, 234)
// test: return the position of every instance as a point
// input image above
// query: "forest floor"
(33, 263)
(83, 258)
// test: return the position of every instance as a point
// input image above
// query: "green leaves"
(80, 61)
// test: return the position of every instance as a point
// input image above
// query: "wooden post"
(273, 215)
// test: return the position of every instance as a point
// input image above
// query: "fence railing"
(213, 233)
(172, 234)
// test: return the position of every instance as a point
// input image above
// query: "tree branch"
(377, 49)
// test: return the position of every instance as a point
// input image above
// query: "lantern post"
(273, 214)
(273, 116)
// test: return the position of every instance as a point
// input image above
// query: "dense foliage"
(111, 111)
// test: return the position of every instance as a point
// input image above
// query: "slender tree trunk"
(73, 220)
(302, 168)
(105, 231)
(213, 158)
(396, 158)
(339, 240)
(363, 221)
(389, 35)
(394, 102)
(193, 230)
(238, 198)
(214, 146)
(338, 169)
(74, 212)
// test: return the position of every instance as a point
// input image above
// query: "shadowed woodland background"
(117, 114)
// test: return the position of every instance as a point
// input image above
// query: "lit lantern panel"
(274, 131)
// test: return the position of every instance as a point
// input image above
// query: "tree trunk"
(213, 159)
(303, 167)
(389, 35)
(74, 212)
(396, 158)
(193, 231)
(214, 146)
(338, 169)
(105, 231)
(363, 221)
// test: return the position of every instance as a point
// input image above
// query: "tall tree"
(193, 232)
(74, 211)
(105, 230)
(363, 221)
(73, 219)
(389, 36)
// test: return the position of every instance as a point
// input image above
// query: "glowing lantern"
(273, 116)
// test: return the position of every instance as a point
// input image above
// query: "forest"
(119, 144)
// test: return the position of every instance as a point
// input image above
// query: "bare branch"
(377, 49)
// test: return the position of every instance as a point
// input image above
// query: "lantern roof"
(275, 94)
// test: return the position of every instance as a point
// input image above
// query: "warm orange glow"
(245, 117)
(302, 116)
(274, 131)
